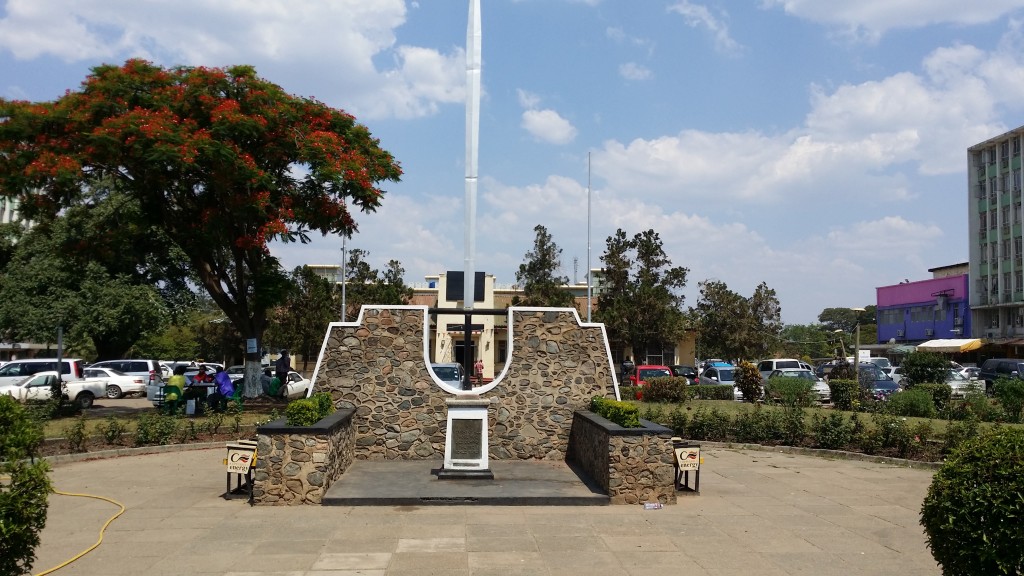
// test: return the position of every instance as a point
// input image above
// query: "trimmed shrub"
(709, 424)
(958, 432)
(622, 413)
(845, 394)
(831, 432)
(972, 512)
(324, 403)
(302, 412)
(155, 429)
(756, 426)
(24, 488)
(75, 436)
(978, 404)
(112, 430)
(916, 403)
(630, 392)
(941, 394)
(1010, 393)
(713, 392)
(749, 381)
(922, 367)
(790, 391)
(671, 390)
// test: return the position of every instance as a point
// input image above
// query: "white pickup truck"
(37, 387)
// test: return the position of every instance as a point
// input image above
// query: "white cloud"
(548, 126)
(544, 125)
(856, 139)
(334, 43)
(698, 16)
(634, 71)
(527, 99)
(869, 19)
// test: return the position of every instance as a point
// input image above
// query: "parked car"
(15, 371)
(766, 367)
(236, 372)
(451, 373)
(297, 386)
(117, 384)
(896, 374)
(959, 384)
(726, 375)
(148, 369)
(881, 389)
(38, 387)
(688, 372)
(645, 372)
(821, 389)
(971, 372)
(994, 369)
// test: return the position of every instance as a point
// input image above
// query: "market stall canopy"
(902, 349)
(950, 345)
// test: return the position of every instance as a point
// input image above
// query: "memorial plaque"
(466, 436)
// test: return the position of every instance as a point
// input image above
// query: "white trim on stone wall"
(426, 346)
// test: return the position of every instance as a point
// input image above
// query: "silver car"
(821, 388)
(451, 373)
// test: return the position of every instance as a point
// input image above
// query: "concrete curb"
(117, 453)
(827, 454)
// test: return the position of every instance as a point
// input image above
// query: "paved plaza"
(759, 513)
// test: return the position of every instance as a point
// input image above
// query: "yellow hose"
(99, 541)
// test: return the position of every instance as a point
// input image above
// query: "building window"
(982, 219)
(993, 219)
(1018, 281)
(1005, 244)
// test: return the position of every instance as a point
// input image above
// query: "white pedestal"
(465, 444)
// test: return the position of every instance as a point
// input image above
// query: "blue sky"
(818, 146)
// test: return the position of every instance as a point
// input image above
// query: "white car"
(298, 387)
(38, 386)
(117, 383)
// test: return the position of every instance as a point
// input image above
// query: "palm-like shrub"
(748, 380)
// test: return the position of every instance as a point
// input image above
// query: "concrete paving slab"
(415, 483)
(752, 523)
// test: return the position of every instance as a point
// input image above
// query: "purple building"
(913, 312)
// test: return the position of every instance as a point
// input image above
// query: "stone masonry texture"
(378, 369)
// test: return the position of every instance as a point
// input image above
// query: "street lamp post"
(856, 347)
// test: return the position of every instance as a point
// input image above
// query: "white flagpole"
(473, 38)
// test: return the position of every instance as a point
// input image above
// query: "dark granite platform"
(415, 483)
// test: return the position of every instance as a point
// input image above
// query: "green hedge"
(790, 391)
(713, 392)
(941, 394)
(916, 402)
(309, 411)
(972, 512)
(622, 413)
(845, 393)
(24, 487)
(1010, 393)
(672, 390)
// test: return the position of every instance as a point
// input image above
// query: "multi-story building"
(936, 308)
(995, 237)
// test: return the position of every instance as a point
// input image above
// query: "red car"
(645, 372)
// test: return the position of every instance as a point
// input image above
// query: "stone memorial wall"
(376, 367)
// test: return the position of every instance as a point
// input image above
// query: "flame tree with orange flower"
(220, 159)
